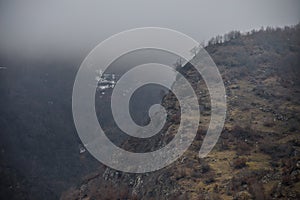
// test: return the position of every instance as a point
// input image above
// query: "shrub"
(205, 168)
(209, 180)
(257, 190)
(243, 148)
(239, 163)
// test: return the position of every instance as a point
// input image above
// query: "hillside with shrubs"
(258, 153)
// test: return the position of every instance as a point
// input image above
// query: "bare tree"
(195, 50)
(179, 63)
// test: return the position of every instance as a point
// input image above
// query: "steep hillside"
(257, 156)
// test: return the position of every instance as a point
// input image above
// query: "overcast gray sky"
(76, 26)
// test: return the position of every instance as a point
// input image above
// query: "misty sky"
(76, 26)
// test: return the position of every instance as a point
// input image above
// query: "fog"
(70, 28)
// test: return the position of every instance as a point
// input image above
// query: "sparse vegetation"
(257, 155)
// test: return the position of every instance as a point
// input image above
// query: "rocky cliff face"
(257, 155)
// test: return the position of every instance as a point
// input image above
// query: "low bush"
(239, 163)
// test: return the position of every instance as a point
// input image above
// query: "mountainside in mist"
(257, 155)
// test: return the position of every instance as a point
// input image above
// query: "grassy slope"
(257, 156)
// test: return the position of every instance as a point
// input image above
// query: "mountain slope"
(257, 156)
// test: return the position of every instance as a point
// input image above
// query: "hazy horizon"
(71, 28)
